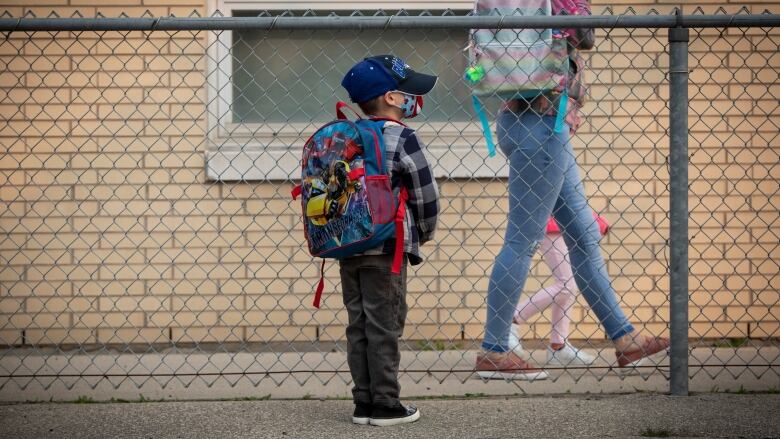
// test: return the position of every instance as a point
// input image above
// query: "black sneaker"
(400, 414)
(361, 414)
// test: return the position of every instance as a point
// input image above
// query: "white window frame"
(260, 152)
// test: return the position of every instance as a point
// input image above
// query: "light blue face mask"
(412, 105)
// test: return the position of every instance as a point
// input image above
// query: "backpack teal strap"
(562, 107)
(485, 125)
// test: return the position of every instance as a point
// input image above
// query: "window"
(269, 90)
(293, 76)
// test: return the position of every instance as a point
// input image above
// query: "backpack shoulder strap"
(340, 106)
(374, 145)
(400, 214)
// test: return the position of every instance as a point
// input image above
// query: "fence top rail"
(385, 22)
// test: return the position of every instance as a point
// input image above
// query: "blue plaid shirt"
(410, 168)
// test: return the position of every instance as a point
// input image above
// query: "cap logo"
(399, 67)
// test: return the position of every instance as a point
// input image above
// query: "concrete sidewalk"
(103, 376)
(635, 415)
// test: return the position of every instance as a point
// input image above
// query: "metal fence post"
(678, 206)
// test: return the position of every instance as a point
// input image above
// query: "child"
(385, 88)
(559, 296)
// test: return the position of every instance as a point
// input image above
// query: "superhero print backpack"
(347, 200)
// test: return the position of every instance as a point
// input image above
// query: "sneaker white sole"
(395, 421)
(633, 368)
(643, 366)
(360, 421)
(498, 375)
(574, 363)
(561, 364)
(638, 365)
(522, 354)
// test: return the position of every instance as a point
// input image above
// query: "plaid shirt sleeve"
(417, 178)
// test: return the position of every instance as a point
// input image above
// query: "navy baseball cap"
(376, 75)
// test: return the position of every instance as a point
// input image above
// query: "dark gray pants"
(376, 304)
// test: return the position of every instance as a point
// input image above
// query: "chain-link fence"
(147, 231)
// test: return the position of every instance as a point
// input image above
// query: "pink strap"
(552, 227)
(320, 286)
(340, 105)
(603, 225)
(400, 214)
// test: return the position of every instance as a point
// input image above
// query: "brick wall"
(111, 233)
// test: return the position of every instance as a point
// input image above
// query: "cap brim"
(418, 83)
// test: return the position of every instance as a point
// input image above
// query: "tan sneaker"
(506, 366)
(649, 347)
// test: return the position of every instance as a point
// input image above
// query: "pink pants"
(560, 296)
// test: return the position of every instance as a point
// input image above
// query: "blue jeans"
(543, 180)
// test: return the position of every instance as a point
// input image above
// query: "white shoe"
(569, 356)
(514, 343)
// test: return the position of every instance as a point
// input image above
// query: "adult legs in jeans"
(543, 175)
(581, 233)
(535, 155)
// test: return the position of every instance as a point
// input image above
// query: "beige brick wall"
(111, 233)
